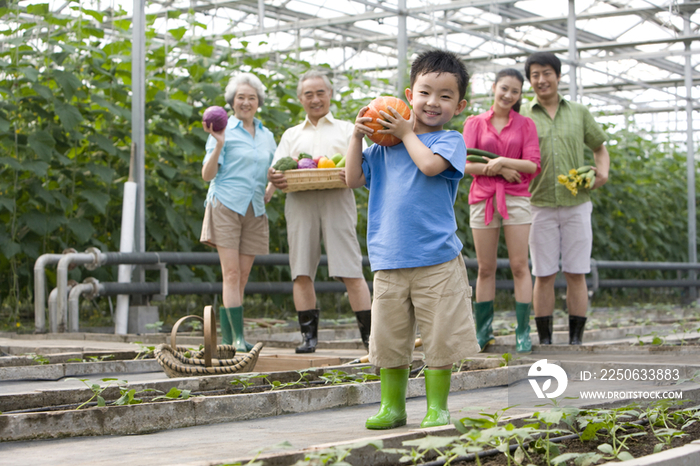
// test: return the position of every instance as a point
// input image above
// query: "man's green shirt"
(562, 143)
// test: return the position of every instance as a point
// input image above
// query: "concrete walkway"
(221, 443)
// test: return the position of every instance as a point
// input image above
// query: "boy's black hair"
(515, 74)
(441, 61)
(543, 59)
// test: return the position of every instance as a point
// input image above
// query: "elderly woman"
(236, 163)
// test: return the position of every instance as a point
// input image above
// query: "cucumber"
(584, 169)
(476, 159)
(483, 153)
(589, 179)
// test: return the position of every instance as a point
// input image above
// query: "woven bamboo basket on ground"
(179, 361)
(311, 179)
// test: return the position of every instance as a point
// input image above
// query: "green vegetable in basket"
(285, 163)
(304, 156)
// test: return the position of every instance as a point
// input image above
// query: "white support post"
(401, 50)
(138, 123)
(690, 158)
(573, 53)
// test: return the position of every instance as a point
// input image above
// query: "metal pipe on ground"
(40, 289)
(89, 287)
(54, 321)
(64, 264)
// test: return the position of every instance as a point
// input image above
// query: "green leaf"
(101, 401)
(32, 74)
(69, 115)
(183, 108)
(42, 224)
(37, 167)
(430, 442)
(68, 82)
(178, 33)
(625, 456)
(8, 203)
(203, 48)
(11, 162)
(123, 24)
(4, 125)
(104, 172)
(42, 143)
(589, 433)
(103, 143)
(38, 9)
(43, 91)
(97, 199)
(551, 417)
(95, 14)
(658, 447)
(115, 109)
(587, 459)
(82, 229)
(564, 458)
(606, 448)
(9, 248)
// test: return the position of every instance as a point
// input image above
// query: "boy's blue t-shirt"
(411, 219)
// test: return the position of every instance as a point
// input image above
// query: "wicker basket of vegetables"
(309, 175)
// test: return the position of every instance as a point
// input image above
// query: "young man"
(329, 214)
(561, 222)
(419, 273)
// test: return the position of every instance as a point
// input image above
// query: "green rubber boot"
(392, 410)
(235, 315)
(437, 388)
(522, 331)
(483, 315)
(226, 332)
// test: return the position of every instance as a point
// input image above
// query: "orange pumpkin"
(382, 104)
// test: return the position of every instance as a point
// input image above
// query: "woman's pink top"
(517, 140)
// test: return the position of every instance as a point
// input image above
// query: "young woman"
(499, 196)
(236, 163)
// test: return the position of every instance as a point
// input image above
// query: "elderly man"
(331, 214)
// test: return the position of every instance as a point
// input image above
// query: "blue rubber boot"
(437, 388)
(392, 410)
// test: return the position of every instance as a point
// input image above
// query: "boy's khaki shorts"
(331, 214)
(225, 228)
(437, 299)
(518, 213)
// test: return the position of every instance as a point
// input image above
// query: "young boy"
(419, 273)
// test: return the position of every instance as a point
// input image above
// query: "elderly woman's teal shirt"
(243, 165)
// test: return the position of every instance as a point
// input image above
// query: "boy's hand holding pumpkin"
(396, 124)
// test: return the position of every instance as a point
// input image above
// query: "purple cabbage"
(306, 163)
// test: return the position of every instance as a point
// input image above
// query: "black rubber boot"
(545, 326)
(308, 322)
(364, 323)
(576, 326)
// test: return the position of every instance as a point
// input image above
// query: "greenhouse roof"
(631, 57)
